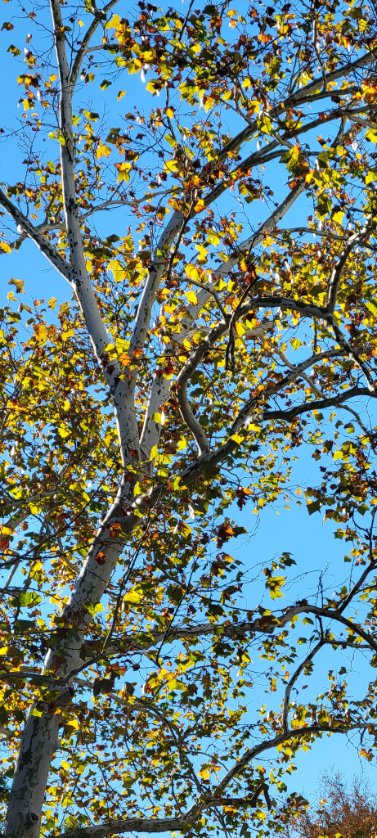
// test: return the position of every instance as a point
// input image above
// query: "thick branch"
(338, 270)
(177, 221)
(118, 827)
(125, 412)
(318, 404)
(181, 384)
(48, 250)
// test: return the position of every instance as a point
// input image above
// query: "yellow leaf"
(171, 166)
(371, 135)
(40, 332)
(103, 151)
(199, 206)
(114, 22)
(6, 530)
(295, 343)
(338, 217)
(192, 272)
(372, 307)
(240, 329)
(134, 596)
(371, 177)
(63, 431)
(74, 724)
(213, 238)
(117, 270)
(202, 252)
(123, 170)
(192, 298)
(18, 283)
(5, 247)
(152, 86)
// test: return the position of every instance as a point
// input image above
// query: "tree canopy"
(341, 811)
(204, 179)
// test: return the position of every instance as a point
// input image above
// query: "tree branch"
(272, 150)
(217, 797)
(181, 383)
(280, 739)
(352, 353)
(99, 15)
(124, 406)
(118, 827)
(338, 270)
(287, 695)
(300, 97)
(176, 223)
(318, 404)
(48, 250)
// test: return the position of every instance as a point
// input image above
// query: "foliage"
(204, 179)
(342, 812)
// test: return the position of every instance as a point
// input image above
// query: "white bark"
(160, 388)
(157, 268)
(125, 413)
(48, 250)
(29, 786)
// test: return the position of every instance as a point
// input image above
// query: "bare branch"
(118, 827)
(99, 17)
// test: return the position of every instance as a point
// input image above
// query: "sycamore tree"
(203, 177)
